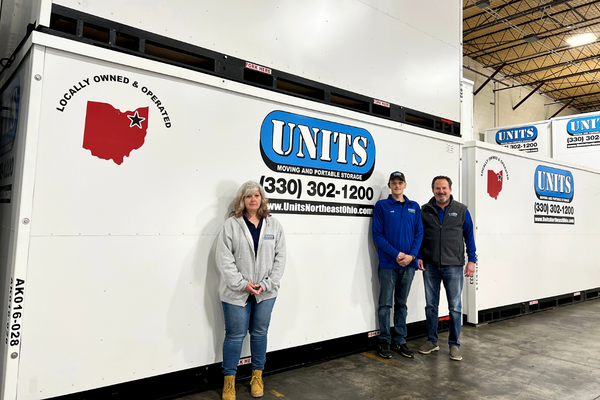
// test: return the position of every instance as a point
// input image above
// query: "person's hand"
(470, 269)
(405, 260)
(421, 267)
(253, 289)
(400, 256)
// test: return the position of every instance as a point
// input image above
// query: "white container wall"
(19, 122)
(117, 173)
(535, 236)
(120, 243)
(405, 53)
(14, 18)
(534, 137)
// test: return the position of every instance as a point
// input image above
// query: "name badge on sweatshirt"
(269, 237)
(411, 210)
(453, 214)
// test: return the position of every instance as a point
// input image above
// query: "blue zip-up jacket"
(397, 227)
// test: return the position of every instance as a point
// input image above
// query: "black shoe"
(383, 350)
(403, 350)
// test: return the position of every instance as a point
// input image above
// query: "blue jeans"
(399, 279)
(452, 276)
(254, 317)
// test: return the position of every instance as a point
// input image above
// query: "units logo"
(582, 126)
(495, 171)
(523, 134)
(583, 132)
(553, 184)
(523, 139)
(109, 133)
(297, 144)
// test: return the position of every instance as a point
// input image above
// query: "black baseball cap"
(397, 174)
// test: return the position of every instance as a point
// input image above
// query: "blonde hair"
(248, 189)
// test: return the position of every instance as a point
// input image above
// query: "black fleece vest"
(443, 244)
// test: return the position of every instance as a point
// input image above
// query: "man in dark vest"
(447, 227)
(397, 232)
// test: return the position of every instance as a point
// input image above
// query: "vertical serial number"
(15, 313)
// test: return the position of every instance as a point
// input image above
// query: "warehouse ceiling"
(526, 40)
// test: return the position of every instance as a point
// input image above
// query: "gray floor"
(553, 354)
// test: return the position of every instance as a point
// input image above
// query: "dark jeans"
(394, 287)
(452, 277)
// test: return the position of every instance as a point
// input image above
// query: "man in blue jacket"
(447, 226)
(397, 232)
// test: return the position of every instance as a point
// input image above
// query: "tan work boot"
(256, 384)
(229, 388)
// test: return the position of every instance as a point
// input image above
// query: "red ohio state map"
(111, 134)
(494, 186)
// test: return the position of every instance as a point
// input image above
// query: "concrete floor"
(553, 354)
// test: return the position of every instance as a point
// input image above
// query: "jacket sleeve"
(420, 254)
(272, 281)
(378, 236)
(469, 237)
(415, 248)
(225, 259)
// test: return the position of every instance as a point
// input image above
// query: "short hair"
(441, 177)
(248, 189)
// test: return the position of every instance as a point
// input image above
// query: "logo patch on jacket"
(453, 214)
(269, 237)
(411, 210)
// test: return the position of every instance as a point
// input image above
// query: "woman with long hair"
(251, 259)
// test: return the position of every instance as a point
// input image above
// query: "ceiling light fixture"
(581, 39)
(531, 38)
(483, 3)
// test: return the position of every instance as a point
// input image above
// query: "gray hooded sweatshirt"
(238, 265)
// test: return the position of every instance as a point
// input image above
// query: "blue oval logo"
(522, 134)
(553, 184)
(297, 144)
(580, 126)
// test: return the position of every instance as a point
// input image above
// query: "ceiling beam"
(578, 96)
(474, 4)
(528, 96)
(544, 53)
(552, 65)
(562, 108)
(572, 87)
(591, 104)
(513, 44)
(487, 80)
(506, 46)
(572, 9)
(544, 81)
(564, 76)
(559, 65)
(482, 74)
(513, 16)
